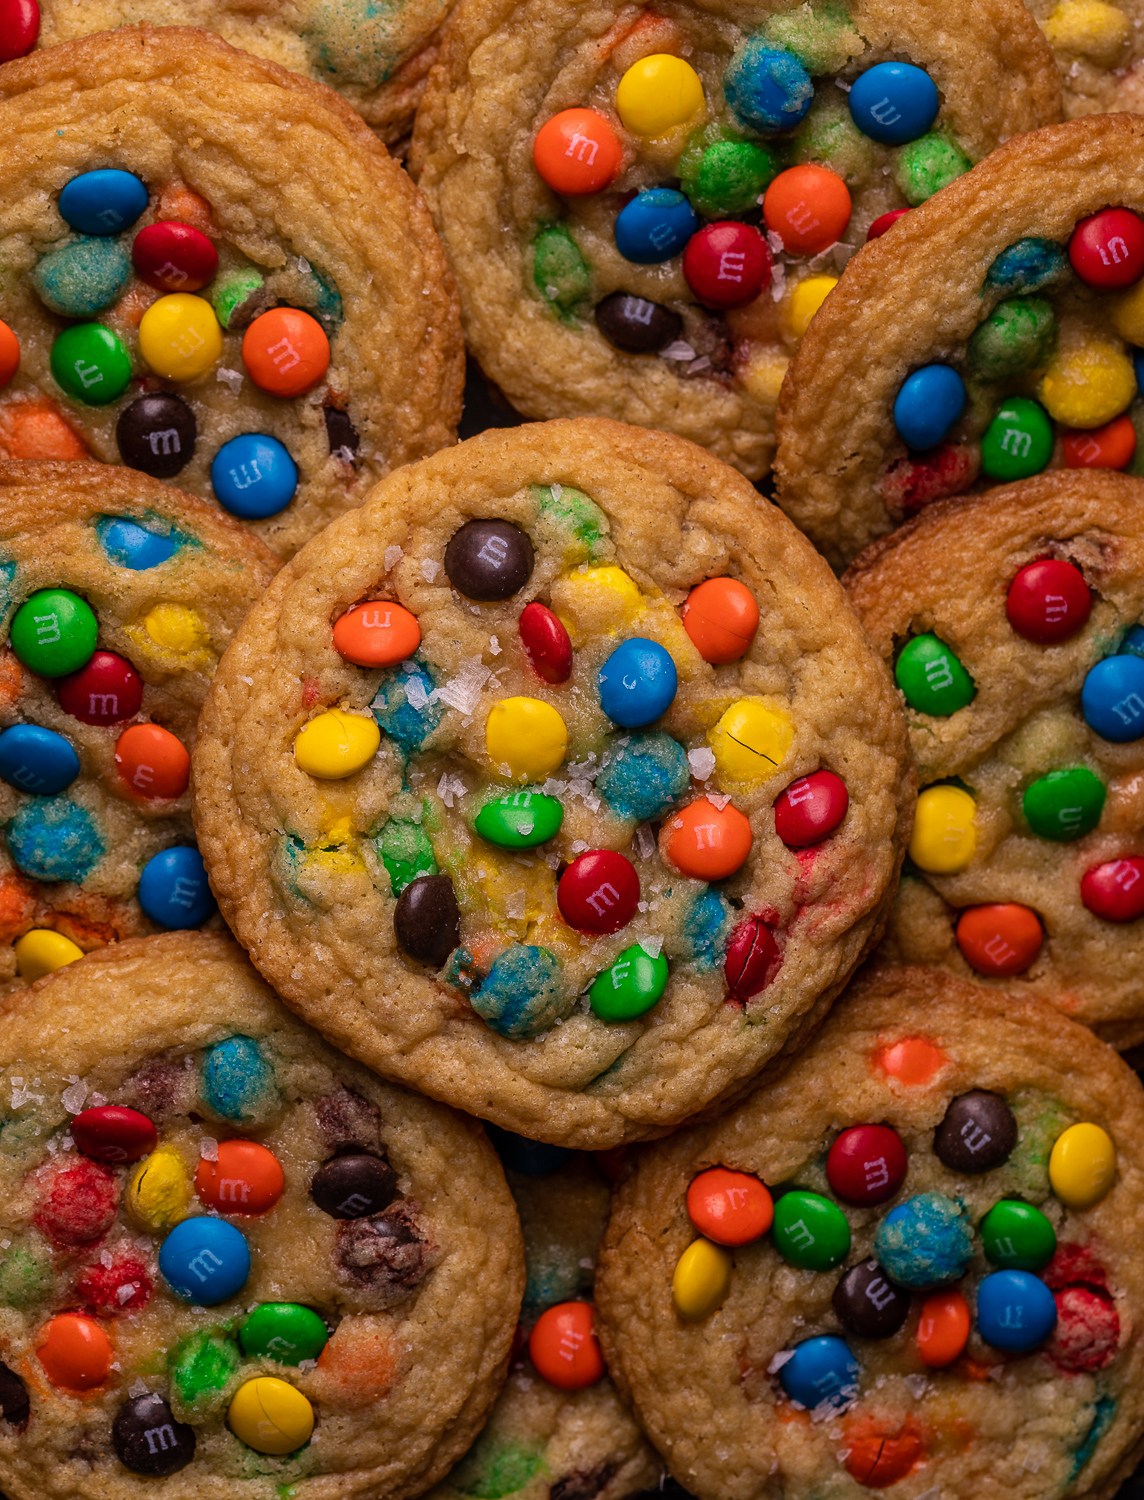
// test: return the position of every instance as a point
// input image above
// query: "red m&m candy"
(883, 222)
(731, 1208)
(811, 809)
(564, 1348)
(546, 644)
(808, 207)
(866, 1164)
(1000, 939)
(19, 28)
(113, 1133)
(106, 691)
(1115, 889)
(152, 761)
(577, 152)
(727, 264)
(174, 257)
(1048, 601)
(1107, 250)
(599, 892)
(753, 959)
(9, 354)
(721, 618)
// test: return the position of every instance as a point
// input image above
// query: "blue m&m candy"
(894, 102)
(37, 760)
(767, 88)
(928, 404)
(238, 1082)
(103, 202)
(1015, 1311)
(821, 1370)
(129, 545)
(1112, 699)
(205, 1261)
(1133, 642)
(173, 889)
(254, 476)
(637, 683)
(655, 226)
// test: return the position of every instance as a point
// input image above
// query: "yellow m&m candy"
(336, 744)
(159, 1192)
(751, 740)
(42, 951)
(270, 1416)
(944, 837)
(595, 601)
(1088, 385)
(804, 301)
(1090, 28)
(179, 336)
(176, 627)
(526, 737)
(702, 1279)
(658, 94)
(1082, 1166)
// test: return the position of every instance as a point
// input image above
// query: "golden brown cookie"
(488, 783)
(233, 1262)
(908, 1264)
(226, 282)
(681, 310)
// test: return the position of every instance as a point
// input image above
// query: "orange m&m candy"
(721, 618)
(152, 761)
(9, 354)
(246, 1179)
(913, 1061)
(877, 1460)
(377, 634)
(999, 940)
(731, 1208)
(943, 1328)
(577, 152)
(705, 841)
(808, 207)
(1110, 447)
(563, 1346)
(285, 351)
(75, 1352)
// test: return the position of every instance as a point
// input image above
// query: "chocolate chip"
(14, 1405)
(385, 1256)
(148, 1440)
(427, 920)
(347, 1120)
(352, 1187)
(489, 560)
(635, 325)
(978, 1132)
(340, 431)
(867, 1304)
(156, 433)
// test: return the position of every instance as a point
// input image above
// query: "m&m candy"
(546, 643)
(270, 1416)
(808, 207)
(1082, 1165)
(1110, 447)
(767, 87)
(354, 1186)
(564, 1348)
(37, 760)
(705, 841)
(598, 892)
(285, 352)
(519, 820)
(129, 545)
(174, 257)
(1015, 1311)
(866, 1164)
(1018, 441)
(152, 761)
(810, 809)
(1112, 698)
(928, 404)
(809, 1231)
(9, 354)
(654, 226)
(658, 94)
(867, 1304)
(75, 1352)
(253, 476)
(731, 1208)
(750, 740)
(1048, 601)
(701, 1280)
(1017, 1235)
(113, 1133)
(284, 1331)
(90, 363)
(1113, 891)
(1107, 249)
(637, 683)
(173, 889)
(336, 744)
(205, 1261)
(977, 1133)
(944, 836)
(42, 951)
(525, 738)
(147, 1438)
(577, 152)
(427, 919)
(630, 986)
(999, 939)
(244, 1178)
(721, 617)
(179, 336)
(19, 28)
(157, 435)
(924, 1242)
(103, 202)
(1064, 805)
(636, 325)
(893, 102)
(727, 264)
(377, 634)
(752, 961)
(105, 691)
(931, 677)
(489, 560)
(943, 1328)
(885, 221)
(821, 1372)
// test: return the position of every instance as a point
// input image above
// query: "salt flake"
(393, 555)
(208, 1148)
(74, 1097)
(702, 762)
(429, 569)
(463, 692)
(232, 379)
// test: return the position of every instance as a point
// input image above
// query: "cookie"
(267, 320)
(990, 336)
(376, 56)
(583, 293)
(910, 1262)
(488, 784)
(118, 595)
(559, 1428)
(1098, 48)
(1010, 621)
(233, 1262)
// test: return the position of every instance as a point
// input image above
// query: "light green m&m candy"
(809, 1231)
(90, 363)
(1018, 1236)
(54, 632)
(1064, 805)
(405, 852)
(932, 678)
(284, 1331)
(632, 985)
(1018, 442)
(519, 820)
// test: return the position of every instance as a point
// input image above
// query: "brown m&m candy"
(868, 1304)
(13, 1397)
(489, 560)
(977, 1134)
(157, 434)
(636, 326)
(427, 919)
(354, 1186)
(148, 1440)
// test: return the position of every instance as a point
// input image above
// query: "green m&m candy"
(1017, 1236)
(1018, 335)
(200, 1367)
(726, 177)
(54, 632)
(1018, 442)
(931, 677)
(1064, 805)
(284, 1331)
(632, 985)
(519, 820)
(90, 363)
(405, 852)
(810, 1232)
(927, 165)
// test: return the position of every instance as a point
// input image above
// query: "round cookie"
(937, 1287)
(221, 1237)
(571, 1440)
(1023, 304)
(376, 56)
(680, 309)
(118, 595)
(531, 865)
(268, 320)
(1008, 620)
